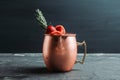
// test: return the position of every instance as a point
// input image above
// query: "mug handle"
(85, 51)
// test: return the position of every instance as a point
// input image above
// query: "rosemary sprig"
(41, 19)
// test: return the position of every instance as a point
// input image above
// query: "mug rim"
(67, 34)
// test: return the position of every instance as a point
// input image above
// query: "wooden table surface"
(30, 66)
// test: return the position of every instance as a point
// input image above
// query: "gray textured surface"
(31, 67)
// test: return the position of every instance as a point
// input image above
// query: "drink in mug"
(60, 52)
(59, 47)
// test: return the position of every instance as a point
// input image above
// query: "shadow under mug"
(60, 52)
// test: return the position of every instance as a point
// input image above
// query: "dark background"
(96, 21)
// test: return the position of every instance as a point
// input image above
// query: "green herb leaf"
(41, 19)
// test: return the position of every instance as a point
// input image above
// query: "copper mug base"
(60, 52)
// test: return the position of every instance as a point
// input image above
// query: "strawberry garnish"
(57, 33)
(58, 30)
(50, 29)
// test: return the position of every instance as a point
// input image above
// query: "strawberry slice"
(60, 28)
(50, 29)
(56, 33)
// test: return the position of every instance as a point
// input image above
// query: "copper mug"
(60, 52)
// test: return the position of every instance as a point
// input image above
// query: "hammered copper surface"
(60, 52)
